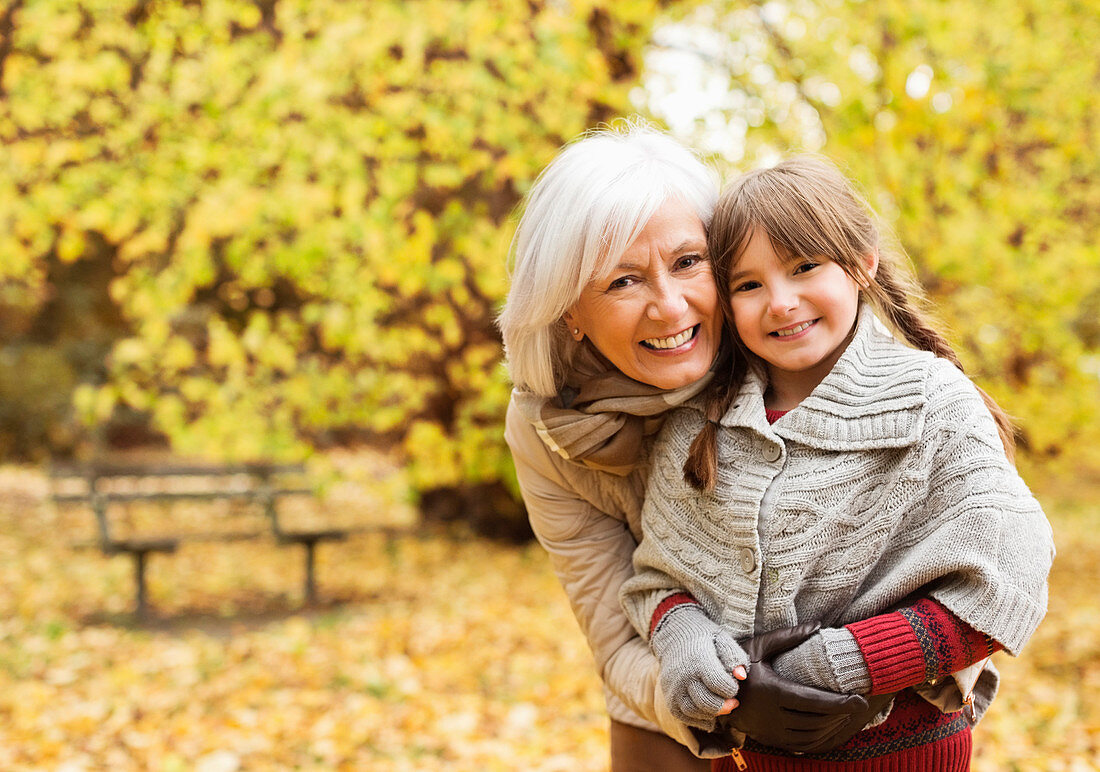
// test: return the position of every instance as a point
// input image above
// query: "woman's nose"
(668, 302)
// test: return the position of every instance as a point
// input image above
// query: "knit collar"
(873, 397)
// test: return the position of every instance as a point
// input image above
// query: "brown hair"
(808, 208)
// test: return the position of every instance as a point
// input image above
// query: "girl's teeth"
(793, 330)
(673, 342)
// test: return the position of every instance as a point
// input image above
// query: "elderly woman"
(612, 320)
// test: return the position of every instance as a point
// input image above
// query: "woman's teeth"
(672, 342)
(792, 330)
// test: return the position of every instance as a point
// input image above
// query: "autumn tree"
(300, 209)
(973, 127)
(268, 226)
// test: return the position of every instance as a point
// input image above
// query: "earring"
(576, 331)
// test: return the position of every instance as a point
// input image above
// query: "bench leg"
(139, 584)
(311, 584)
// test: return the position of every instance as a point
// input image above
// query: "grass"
(427, 653)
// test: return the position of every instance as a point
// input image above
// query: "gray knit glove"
(697, 660)
(828, 659)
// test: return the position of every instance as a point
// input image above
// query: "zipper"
(739, 760)
(967, 680)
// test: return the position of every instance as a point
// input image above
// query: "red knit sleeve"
(667, 605)
(917, 644)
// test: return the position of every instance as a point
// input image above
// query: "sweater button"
(748, 560)
(771, 452)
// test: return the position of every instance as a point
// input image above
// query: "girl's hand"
(740, 674)
(698, 659)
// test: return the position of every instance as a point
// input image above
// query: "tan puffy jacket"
(590, 522)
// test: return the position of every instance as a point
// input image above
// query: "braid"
(898, 304)
(701, 466)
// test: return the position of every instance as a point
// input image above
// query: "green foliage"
(972, 126)
(54, 332)
(278, 225)
(304, 205)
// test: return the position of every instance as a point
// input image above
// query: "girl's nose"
(782, 300)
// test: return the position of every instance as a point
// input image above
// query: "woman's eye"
(619, 283)
(690, 261)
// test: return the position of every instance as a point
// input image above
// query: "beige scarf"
(600, 416)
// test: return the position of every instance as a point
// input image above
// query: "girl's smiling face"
(796, 314)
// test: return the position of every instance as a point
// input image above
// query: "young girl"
(841, 477)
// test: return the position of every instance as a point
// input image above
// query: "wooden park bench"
(103, 486)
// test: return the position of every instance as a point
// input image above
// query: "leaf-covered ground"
(426, 653)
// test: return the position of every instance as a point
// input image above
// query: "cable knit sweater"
(887, 483)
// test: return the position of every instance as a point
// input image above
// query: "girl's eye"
(745, 286)
(809, 265)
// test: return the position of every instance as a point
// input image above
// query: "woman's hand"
(788, 715)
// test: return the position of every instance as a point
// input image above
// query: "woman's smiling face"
(655, 315)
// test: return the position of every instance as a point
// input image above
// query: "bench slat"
(171, 470)
(127, 496)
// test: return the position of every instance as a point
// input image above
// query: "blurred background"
(241, 230)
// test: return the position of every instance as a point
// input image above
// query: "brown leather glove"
(858, 720)
(784, 714)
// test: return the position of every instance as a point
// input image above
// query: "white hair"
(584, 210)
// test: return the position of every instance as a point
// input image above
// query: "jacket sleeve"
(590, 551)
